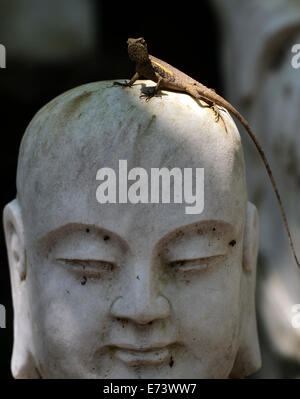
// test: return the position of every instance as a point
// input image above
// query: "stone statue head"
(146, 285)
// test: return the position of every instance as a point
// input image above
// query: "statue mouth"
(134, 356)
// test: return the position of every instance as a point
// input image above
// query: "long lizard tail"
(223, 103)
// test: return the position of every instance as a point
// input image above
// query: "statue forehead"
(95, 126)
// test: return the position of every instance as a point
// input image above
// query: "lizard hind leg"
(193, 91)
(217, 110)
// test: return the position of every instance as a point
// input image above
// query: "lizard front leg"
(152, 91)
(130, 83)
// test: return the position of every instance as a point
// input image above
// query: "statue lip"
(142, 348)
(151, 355)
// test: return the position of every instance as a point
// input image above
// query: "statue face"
(134, 290)
(114, 300)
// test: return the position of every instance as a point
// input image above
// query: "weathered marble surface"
(130, 290)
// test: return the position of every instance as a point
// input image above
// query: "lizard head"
(137, 49)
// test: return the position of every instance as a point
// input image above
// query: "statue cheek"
(207, 313)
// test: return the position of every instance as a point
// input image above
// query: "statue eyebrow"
(202, 228)
(199, 228)
(71, 228)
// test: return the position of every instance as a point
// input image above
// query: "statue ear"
(248, 358)
(22, 363)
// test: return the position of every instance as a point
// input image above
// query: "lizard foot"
(149, 93)
(123, 84)
(217, 111)
(218, 115)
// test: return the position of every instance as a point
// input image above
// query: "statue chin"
(131, 288)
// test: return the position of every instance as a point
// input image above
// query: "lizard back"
(174, 78)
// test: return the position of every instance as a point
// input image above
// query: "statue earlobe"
(22, 364)
(14, 237)
(248, 358)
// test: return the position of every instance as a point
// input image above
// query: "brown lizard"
(168, 77)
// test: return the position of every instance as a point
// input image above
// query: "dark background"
(184, 36)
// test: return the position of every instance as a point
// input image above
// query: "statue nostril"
(142, 310)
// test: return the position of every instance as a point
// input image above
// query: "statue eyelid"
(88, 266)
(197, 264)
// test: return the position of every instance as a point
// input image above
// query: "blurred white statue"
(259, 39)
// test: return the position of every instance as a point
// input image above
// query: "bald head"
(95, 273)
(94, 126)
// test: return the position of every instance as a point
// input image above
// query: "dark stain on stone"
(106, 238)
(83, 280)
(151, 121)
(232, 243)
(72, 106)
(171, 362)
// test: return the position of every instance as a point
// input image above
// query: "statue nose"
(141, 303)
